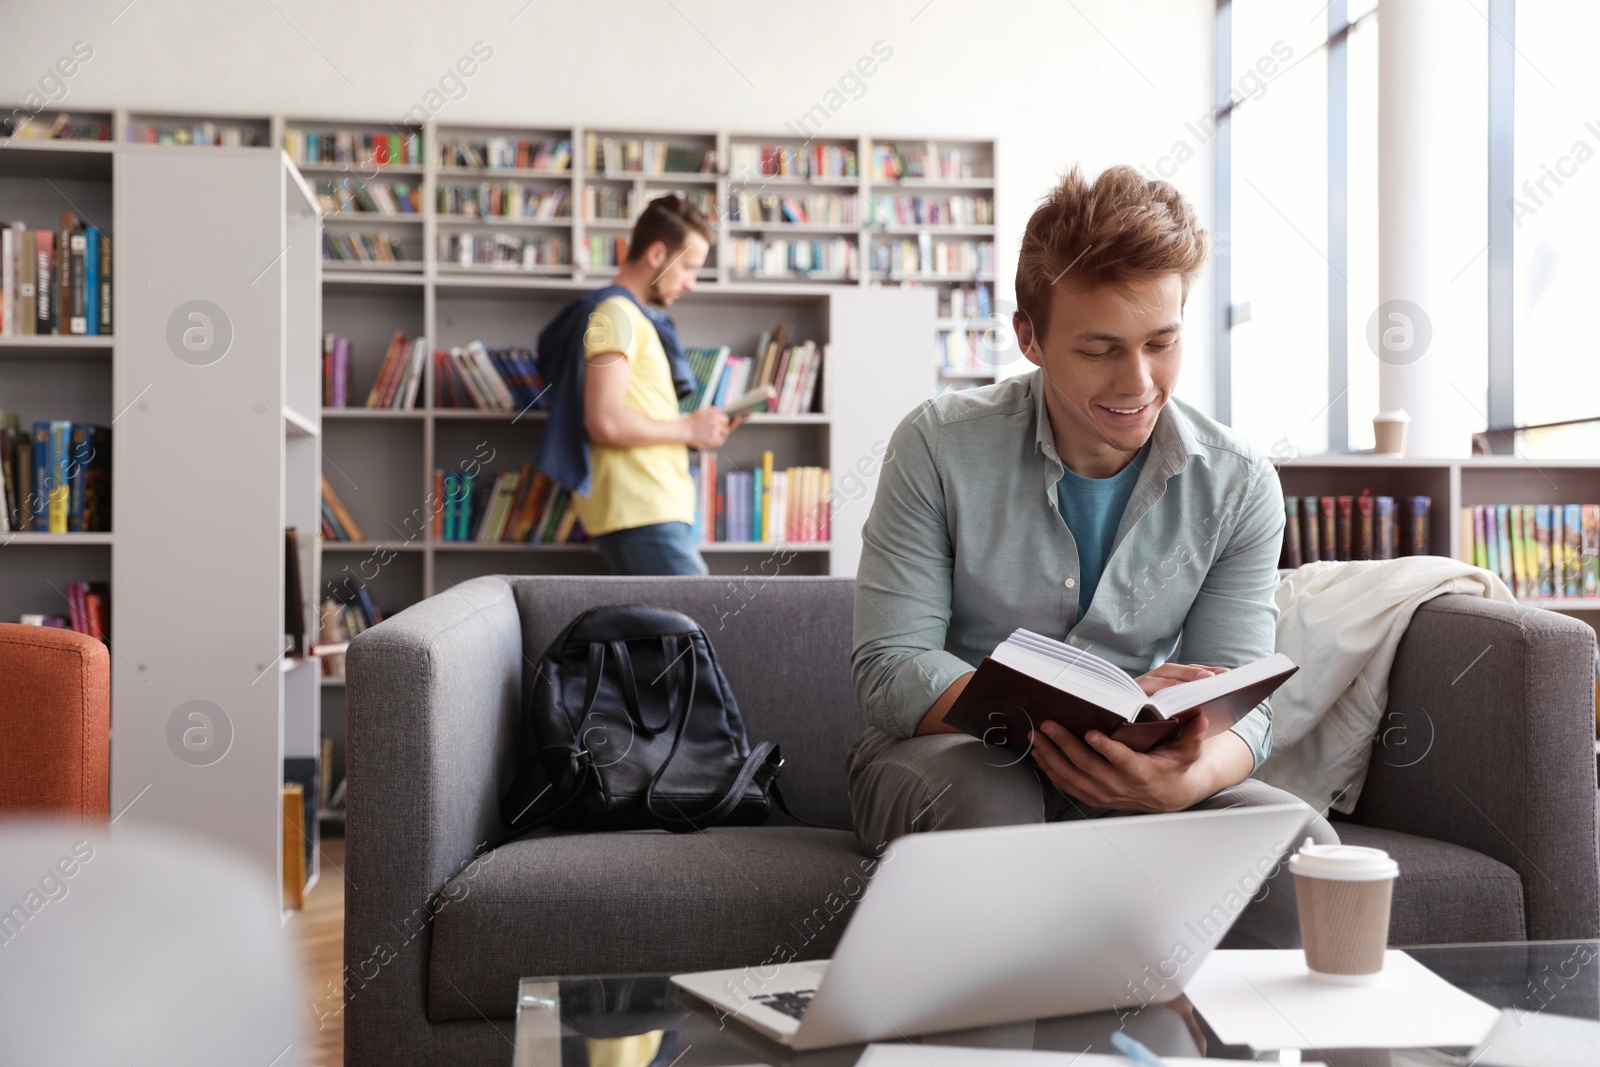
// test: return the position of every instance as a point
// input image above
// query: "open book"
(1031, 678)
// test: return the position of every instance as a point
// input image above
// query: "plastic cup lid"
(1344, 863)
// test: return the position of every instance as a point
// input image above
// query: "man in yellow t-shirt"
(640, 504)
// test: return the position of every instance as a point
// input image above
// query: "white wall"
(1095, 81)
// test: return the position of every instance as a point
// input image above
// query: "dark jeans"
(662, 548)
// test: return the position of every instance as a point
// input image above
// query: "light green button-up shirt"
(965, 543)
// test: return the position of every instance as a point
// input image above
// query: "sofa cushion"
(784, 643)
(640, 901)
(1446, 893)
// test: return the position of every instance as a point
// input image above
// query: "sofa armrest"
(1488, 743)
(55, 711)
(434, 694)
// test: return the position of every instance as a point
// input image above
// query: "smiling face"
(1111, 358)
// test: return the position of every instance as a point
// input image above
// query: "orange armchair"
(55, 723)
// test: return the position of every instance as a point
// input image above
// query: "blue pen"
(1136, 1051)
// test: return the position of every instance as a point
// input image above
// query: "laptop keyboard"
(792, 1004)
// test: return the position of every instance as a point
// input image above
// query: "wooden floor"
(319, 933)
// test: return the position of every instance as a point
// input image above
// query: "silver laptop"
(968, 928)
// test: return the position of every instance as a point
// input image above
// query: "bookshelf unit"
(216, 389)
(48, 377)
(1453, 484)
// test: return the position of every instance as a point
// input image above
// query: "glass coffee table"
(645, 1021)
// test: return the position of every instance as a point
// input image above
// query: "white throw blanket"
(1341, 622)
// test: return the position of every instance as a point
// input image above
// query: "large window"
(1298, 185)
(1278, 240)
(1555, 218)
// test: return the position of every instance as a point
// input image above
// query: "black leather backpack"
(634, 726)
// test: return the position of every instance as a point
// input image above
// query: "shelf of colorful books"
(757, 181)
(31, 538)
(213, 131)
(504, 172)
(791, 227)
(496, 221)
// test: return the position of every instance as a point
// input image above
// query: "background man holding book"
(1084, 503)
(616, 438)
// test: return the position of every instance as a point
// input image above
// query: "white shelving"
(217, 451)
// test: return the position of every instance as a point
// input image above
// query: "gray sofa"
(1495, 827)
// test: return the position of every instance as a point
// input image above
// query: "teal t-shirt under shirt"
(1092, 508)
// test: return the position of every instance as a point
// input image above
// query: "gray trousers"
(951, 782)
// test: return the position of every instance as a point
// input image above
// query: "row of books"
(635, 155)
(325, 147)
(753, 161)
(88, 611)
(515, 506)
(620, 203)
(340, 620)
(720, 377)
(764, 506)
(56, 478)
(58, 127)
(503, 250)
(55, 281)
(352, 196)
(1354, 527)
(205, 132)
(399, 375)
(813, 209)
(779, 257)
(507, 153)
(965, 302)
(1538, 550)
(337, 522)
(923, 160)
(353, 247)
(964, 352)
(598, 251)
(928, 256)
(933, 210)
(474, 376)
(510, 200)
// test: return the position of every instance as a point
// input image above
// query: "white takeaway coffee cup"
(1343, 893)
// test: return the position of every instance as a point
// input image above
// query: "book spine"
(1558, 551)
(105, 286)
(1310, 532)
(91, 280)
(1530, 548)
(1291, 556)
(1388, 526)
(1346, 522)
(80, 295)
(76, 463)
(1572, 550)
(1365, 528)
(1541, 536)
(60, 462)
(1418, 522)
(25, 490)
(44, 288)
(8, 281)
(1591, 550)
(39, 505)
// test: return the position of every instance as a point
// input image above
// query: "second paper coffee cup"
(1343, 894)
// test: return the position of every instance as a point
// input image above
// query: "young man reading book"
(1083, 502)
(613, 358)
